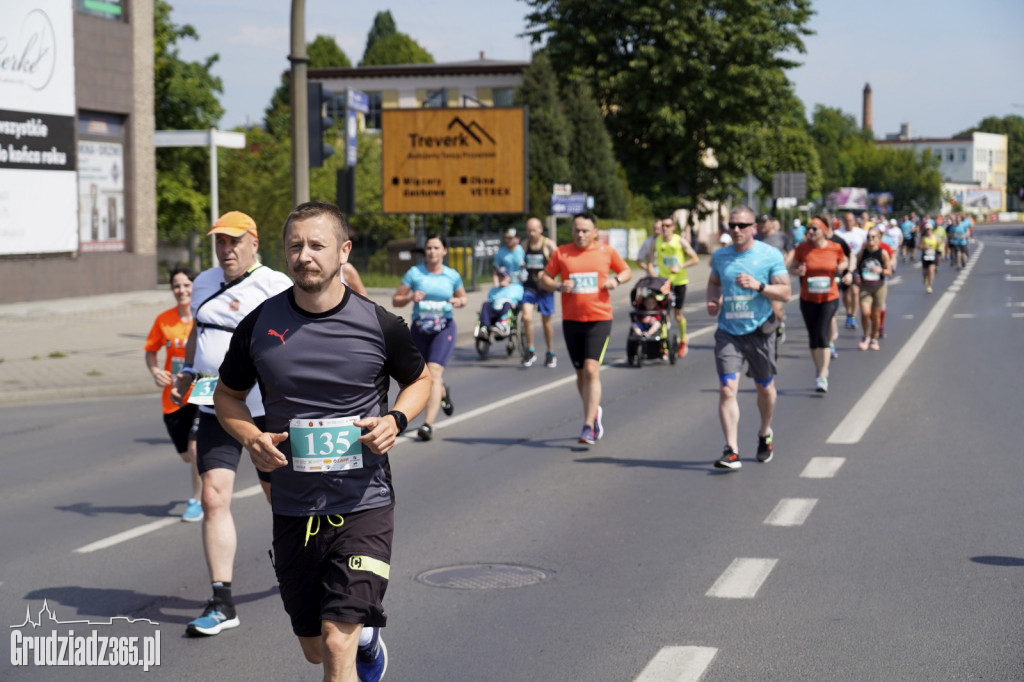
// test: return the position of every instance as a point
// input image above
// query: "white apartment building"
(978, 160)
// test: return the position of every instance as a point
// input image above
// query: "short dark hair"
(439, 237)
(313, 209)
(586, 215)
(182, 270)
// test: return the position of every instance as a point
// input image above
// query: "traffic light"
(317, 97)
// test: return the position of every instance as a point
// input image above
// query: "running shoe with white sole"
(216, 617)
(193, 511)
(765, 451)
(730, 459)
(587, 435)
(550, 361)
(372, 660)
(531, 357)
(821, 385)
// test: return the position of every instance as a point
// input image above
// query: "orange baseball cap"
(234, 224)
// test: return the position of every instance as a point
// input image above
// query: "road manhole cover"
(484, 576)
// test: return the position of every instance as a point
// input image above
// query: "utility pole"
(300, 115)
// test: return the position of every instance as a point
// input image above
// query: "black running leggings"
(818, 318)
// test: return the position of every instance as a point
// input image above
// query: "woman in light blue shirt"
(434, 289)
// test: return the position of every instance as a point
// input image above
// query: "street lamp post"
(300, 120)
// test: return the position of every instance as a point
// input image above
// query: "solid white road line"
(678, 664)
(964, 316)
(1014, 278)
(1012, 252)
(742, 579)
(128, 535)
(859, 419)
(791, 511)
(1017, 315)
(822, 467)
(1007, 261)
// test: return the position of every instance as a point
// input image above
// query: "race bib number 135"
(320, 445)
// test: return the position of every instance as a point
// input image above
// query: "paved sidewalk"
(91, 346)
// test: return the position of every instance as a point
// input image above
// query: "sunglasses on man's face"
(740, 226)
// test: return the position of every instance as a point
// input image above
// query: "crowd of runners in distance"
(240, 326)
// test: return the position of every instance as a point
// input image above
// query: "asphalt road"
(899, 556)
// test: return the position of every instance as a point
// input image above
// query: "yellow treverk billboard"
(454, 160)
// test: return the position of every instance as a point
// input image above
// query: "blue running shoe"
(216, 617)
(587, 435)
(193, 512)
(598, 426)
(372, 660)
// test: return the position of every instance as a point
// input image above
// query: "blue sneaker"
(216, 617)
(598, 426)
(372, 660)
(587, 435)
(193, 512)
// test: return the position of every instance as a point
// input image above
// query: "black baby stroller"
(652, 332)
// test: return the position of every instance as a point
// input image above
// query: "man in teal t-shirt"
(745, 278)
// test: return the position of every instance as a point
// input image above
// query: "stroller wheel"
(673, 349)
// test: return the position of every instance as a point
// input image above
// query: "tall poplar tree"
(550, 132)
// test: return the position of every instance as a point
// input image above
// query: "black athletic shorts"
(679, 294)
(586, 340)
(179, 426)
(216, 449)
(334, 571)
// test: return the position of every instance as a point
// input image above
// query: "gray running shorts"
(756, 348)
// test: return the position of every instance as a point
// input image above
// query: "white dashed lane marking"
(791, 511)
(822, 467)
(678, 664)
(742, 579)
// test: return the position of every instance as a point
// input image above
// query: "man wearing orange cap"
(221, 297)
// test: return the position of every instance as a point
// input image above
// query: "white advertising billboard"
(38, 187)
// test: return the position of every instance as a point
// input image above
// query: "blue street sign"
(358, 101)
(568, 205)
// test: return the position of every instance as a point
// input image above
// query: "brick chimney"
(868, 115)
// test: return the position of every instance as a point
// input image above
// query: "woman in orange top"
(171, 331)
(817, 261)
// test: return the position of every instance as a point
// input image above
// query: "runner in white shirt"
(221, 297)
(855, 237)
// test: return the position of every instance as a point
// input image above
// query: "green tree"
(782, 143)
(257, 180)
(837, 138)
(1013, 127)
(323, 53)
(677, 80)
(397, 48)
(914, 180)
(550, 132)
(383, 26)
(591, 157)
(184, 99)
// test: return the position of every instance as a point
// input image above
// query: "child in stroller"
(651, 333)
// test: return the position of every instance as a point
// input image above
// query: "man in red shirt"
(586, 287)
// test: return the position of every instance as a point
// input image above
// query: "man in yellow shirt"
(672, 254)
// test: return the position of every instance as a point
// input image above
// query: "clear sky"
(939, 65)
